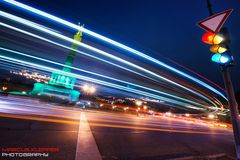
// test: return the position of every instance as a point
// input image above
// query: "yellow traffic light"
(218, 49)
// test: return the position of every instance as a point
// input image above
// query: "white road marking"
(86, 146)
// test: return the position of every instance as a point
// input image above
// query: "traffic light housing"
(219, 45)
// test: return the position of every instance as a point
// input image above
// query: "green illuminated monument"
(61, 86)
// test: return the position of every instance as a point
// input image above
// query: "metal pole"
(209, 8)
(233, 106)
(232, 103)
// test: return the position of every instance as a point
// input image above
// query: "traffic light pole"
(209, 8)
(233, 106)
(232, 103)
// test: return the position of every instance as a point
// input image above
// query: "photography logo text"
(27, 152)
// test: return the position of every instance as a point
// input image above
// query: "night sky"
(164, 29)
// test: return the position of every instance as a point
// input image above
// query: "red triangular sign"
(215, 22)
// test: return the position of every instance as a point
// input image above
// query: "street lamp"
(4, 88)
(187, 115)
(85, 87)
(88, 89)
(138, 103)
(92, 89)
(168, 113)
(145, 107)
(211, 116)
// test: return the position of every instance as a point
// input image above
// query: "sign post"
(233, 106)
(214, 24)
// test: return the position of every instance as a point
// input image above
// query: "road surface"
(92, 134)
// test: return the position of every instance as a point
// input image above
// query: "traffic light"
(218, 49)
(212, 38)
(221, 58)
(219, 45)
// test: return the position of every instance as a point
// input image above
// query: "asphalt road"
(28, 123)
(125, 137)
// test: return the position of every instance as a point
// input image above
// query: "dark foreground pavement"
(114, 143)
(134, 144)
(16, 133)
(116, 136)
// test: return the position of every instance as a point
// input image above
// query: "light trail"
(60, 45)
(31, 109)
(148, 128)
(69, 48)
(101, 75)
(38, 108)
(33, 25)
(199, 75)
(83, 53)
(108, 40)
(135, 91)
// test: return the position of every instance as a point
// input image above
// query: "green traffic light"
(221, 58)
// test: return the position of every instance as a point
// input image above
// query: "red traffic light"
(211, 38)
